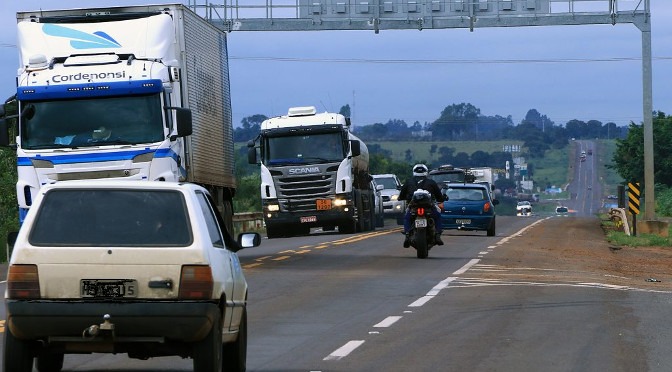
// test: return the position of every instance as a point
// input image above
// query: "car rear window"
(466, 194)
(105, 217)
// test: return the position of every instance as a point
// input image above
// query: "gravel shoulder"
(574, 249)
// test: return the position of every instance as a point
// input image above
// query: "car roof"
(116, 184)
(469, 185)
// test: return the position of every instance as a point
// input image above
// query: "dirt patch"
(575, 250)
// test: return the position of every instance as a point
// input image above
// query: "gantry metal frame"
(377, 15)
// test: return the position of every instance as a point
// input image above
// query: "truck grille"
(299, 193)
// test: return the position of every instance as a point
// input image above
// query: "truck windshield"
(304, 149)
(91, 122)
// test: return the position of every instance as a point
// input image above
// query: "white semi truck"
(127, 93)
(314, 173)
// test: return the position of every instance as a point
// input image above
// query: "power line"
(444, 61)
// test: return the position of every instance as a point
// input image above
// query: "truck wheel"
(234, 355)
(491, 228)
(347, 227)
(207, 353)
(18, 355)
(272, 232)
(49, 362)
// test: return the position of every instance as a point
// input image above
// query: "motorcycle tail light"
(486, 207)
(421, 211)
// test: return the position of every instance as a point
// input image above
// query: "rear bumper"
(450, 222)
(172, 320)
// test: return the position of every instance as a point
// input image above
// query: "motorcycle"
(422, 230)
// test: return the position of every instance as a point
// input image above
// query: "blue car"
(468, 207)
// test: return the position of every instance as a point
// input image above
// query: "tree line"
(464, 122)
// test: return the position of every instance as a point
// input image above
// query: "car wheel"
(49, 362)
(272, 232)
(207, 353)
(491, 228)
(18, 355)
(234, 354)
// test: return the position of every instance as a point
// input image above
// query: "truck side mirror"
(184, 123)
(4, 133)
(11, 240)
(251, 154)
(355, 149)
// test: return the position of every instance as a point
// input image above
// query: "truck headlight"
(339, 202)
(273, 207)
(394, 197)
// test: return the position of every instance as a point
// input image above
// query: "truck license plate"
(463, 222)
(421, 222)
(323, 204)
(308, 219)
(96, 288)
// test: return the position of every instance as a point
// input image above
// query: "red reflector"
(23, 282)
(195, 283)
(421, 211)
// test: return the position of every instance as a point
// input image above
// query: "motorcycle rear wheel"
(421, 243)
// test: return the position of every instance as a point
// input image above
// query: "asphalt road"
(361, 302)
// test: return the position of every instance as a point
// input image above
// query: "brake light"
(23, 282)
(486, 207)
(421, 211)
(195, 282)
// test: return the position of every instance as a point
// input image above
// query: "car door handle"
(168, 284)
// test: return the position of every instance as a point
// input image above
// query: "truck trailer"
(314, 173)
(126, 93)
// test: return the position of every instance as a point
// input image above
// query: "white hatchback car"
(143, 268)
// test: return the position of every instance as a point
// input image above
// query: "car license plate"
(421, 222)
(463, 222)
(308, 219)
(323, 204)
(97, 288)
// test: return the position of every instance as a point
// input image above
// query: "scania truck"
(126, 93)
(314, 173)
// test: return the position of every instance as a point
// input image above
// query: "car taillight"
(421, 211)
(486, 207)
(195, 282)
(23, 282)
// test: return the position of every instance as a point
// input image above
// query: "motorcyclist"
(420, 181)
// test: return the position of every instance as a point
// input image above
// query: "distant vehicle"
(469, 206)
(612, 197)
(447, 173)
(590, 151)
(392, 206)
(590, 187)
(561, 210)
(523, 208)
(379, 212)
(145, 268)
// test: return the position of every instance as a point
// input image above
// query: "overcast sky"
(413, 75)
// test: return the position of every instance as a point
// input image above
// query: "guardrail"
(248, 221)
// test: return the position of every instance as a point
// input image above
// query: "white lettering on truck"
(304, 170)
(80, 76)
